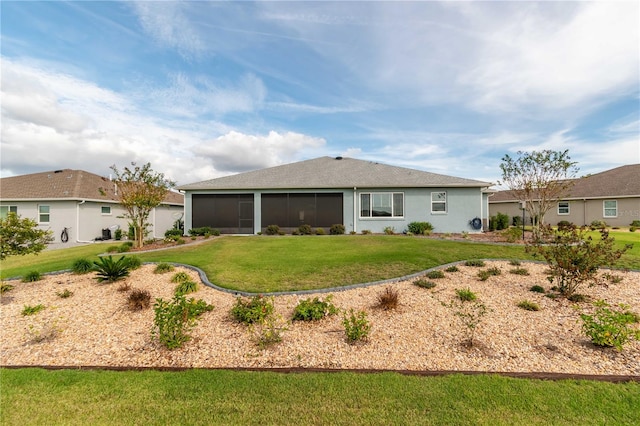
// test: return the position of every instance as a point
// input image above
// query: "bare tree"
(140, 190)
(538, 179)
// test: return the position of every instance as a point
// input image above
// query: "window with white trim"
(105, 210)
(44, 215)
(5, 210)
(439, 202)
(610, 208)
(563, 208)
(381, 204)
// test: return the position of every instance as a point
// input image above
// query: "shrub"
(313, 309)
(516, 221)
(632, 228)
(272, 230)
(578, 298)
(337, 229)
(180, 277)
(519, 271)
(66, 293)
(356, 326)
(4, 288)
(492, 223)
(529, 306)
(173, 233)
(611, 278)
(421, 282)
(203, 231)
(163, 268)
(502, 221)
(174, 320)
(82, 266)
(31, 277)
(515, 262)
(635, 223)
(124, 247)
(470, 315)
(134, 262)
(389, 230)
(486, 273)
(610, 326)
(388, 299)
(565, 224)
(436, 274)
(474, 262)
(320, 231)
(31, 310)
(598, 224)
(117, 235)
(110, 270)
(112, 249)
(186, 287)
(305, 229)
(268, 332)
(452, 268)
(366, 232)
(512, 234)
(124, 287)
(574, 259)
(253, 310)
(537, 289)
(466, 295)
(420, 228)
(139, 300)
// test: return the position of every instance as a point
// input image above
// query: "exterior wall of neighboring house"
(86, 220)
(615, 211)
(449, 213)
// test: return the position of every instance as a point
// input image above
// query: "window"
(382, 204)
(106, 210)
(5, 210)
(563, 208)
(610, 208)
(43, 214)
(439, 202)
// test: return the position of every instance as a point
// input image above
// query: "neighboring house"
(83, 202)
(612, 196)
(361, 195)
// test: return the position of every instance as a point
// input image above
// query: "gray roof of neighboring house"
(623, 181)
(328, 172)
(66, 184)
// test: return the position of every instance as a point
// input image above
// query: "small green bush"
(272, 230)
(436, 274)
(112, 249)
(598, 224)
(421, 282)
(474, 262)
(163, 268)
(134, 262)
(578, 298)
(180, 277)
(537, 289)
(253, 310)
(466, 295)
(519, 271)
(110, 270)
(4, 288)
(515, 262)
(512, 234)
(66, 293)
(305, 229)
(612, 278)
(173, 233)
(124, 247)
(356, 326)
(502, 221)
(452, 268)
(420, 228)
(174, 320)
(366, 232)
(486, 273)
(528, 306)
(337, 229)
(633, 228)
(31, 277)
(320, 231)
(268, 332)
(82, 266)
(139, 300)
(117, 235)
(565, 224)
(314, 309)
(203, 231)
(186, 287)
(635, 223)
(31, 310)
(610, 326)
(389, 230)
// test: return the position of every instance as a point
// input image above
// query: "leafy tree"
(140, 190)
(20, 236)
(538, 179)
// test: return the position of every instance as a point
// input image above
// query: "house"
(361, 195)
(612, 196)
(80, 201)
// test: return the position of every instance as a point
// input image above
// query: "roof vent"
(338, 158)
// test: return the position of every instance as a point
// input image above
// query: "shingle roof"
(328, 172)
(623, 181)
(65, 184)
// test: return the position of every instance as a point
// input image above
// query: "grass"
(203, 397)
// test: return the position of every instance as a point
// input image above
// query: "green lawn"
(265, 264)
(193, 397)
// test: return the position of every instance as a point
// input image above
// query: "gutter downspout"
(78, 222)
(355, 207)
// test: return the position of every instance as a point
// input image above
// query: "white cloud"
(238, 152)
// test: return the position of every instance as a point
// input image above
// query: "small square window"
(438, 202)
(563, 208)
(106, 210)
(610, 208)
(5, 210)
(44, 215)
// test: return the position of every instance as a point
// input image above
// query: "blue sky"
(206, 89)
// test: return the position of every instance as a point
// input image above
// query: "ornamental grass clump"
(138, 300)
(186, 287)
(388, 299)
(82, 266)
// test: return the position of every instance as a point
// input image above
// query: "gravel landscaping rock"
(94, 327)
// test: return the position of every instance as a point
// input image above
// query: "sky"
(206, 89)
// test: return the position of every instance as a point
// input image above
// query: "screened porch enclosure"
(228, 213)
(290, 210)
